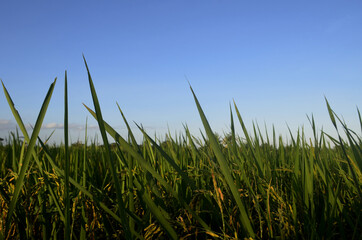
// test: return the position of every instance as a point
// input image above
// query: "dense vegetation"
(255, 186)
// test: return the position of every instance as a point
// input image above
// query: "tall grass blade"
(20, 180)
(360, 119)
(233, 135)
(67, 167)
(342, 144)
(22, 127)
(244, 216)
(130, 171)
(15, 112)
(254, 151)
(168, 159)
(331, 114)
(147, 166)
(108, 156)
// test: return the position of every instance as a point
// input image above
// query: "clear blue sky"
(276, 59)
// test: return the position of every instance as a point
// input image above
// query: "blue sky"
(276, 59)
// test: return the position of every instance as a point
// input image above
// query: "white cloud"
(92, 127)
(53, 126)
(4, 121)
(72, 126)
(6, 124)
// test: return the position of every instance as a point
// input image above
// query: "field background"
(271, 151)
(226, 187)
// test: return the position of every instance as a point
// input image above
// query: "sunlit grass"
(215, 187)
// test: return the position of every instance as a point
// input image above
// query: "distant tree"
(227, 139)
(77, 144)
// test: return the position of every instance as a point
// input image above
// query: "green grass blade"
(146, 165)
(244, 217)
(168, 159)
(331, 114)
(133, 139)
(357, 182)
(27, 139)
(131, 204)
(254, 150)
(81, 188)
(67, 167)
(20, 181)
(109, 158)
(155, 210)
(84, 181)
(232, 128)
(15, 112)
(291, 135)
(360, 119)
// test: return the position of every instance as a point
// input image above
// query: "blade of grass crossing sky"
(109, 156)
(66, 149)
(244, 217)
(143, 163)
(20, 180)
(353, 160)
(360, 119)
(331, 114)
(134, 142)
(15, 113)
(20, 123)
(232, 128)
(234, 147)
(168, 159)
(291, 135)
(256, 156)
(147, 166)
(356, 150)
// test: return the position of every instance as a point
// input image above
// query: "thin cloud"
(4, 121)
(6, 124)
(53, 126)
(72, 126)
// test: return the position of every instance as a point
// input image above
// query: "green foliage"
(223, 187)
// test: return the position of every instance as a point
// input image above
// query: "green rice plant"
(67, 162)
(26, 161)
(109, 156)
(146, 165)
(226, 186)
(244, 216)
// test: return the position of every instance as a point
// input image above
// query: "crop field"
(247, 185)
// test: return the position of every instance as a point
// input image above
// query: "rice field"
(247, 185)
